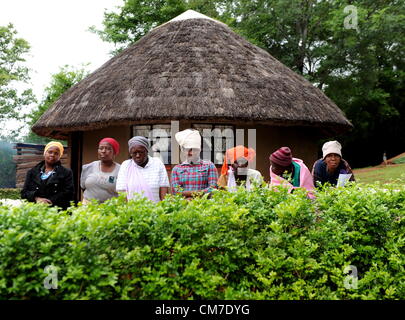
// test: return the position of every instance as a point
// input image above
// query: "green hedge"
(10, 193)
(246, 245)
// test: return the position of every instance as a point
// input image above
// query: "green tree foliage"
(266, 244)
(360, 67)
(61, 81)
(13, 75)
(7, 165)
(368, 78)
(135, 18)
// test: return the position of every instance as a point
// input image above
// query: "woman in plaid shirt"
(194, 175)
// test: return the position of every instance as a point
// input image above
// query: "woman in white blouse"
(142, 174)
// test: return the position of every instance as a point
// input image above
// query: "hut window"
(216, 139)
(159, 136)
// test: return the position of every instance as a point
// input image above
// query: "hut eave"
(62, 132)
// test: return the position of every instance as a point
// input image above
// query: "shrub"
(265, 244)
(10, 193)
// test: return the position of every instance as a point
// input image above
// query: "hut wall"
(301, 140)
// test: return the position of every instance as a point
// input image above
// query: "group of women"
(51, 183)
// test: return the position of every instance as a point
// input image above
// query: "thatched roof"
(196, 68)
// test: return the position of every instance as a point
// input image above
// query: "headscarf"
(282, 157)
(114, 144)
(236, 153)
(54, 144)
(138, 141)
(331, 147)
(189, 139)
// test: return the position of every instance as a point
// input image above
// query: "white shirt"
(252, 175)
(154, 173)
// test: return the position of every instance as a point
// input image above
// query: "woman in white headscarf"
(142, 174)
(193, 176)
(331, 165)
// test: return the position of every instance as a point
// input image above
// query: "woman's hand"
(162, 192)
(43, 200)
(192, 194)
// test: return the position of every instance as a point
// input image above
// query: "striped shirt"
(192, 177)
(154, 173)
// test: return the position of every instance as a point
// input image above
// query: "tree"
(61, 81)
(367, 78)
(353, 50)
(7, 165)
(13, 74)
(136, 18)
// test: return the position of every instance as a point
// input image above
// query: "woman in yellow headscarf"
(235, 168)
(49, 182)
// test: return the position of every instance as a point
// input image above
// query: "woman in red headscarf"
(98, 178)
(235, 168)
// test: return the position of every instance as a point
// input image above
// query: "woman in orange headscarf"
(235, 168)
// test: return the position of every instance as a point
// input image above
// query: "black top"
(58, 187)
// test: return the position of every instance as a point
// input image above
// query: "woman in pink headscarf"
(290, 172)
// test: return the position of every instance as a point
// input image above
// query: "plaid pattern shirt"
(192, 177)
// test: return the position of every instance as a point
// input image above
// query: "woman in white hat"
(194, 175)
(331, 165)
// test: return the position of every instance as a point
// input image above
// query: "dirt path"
(397, 157)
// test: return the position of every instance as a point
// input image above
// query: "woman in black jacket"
(49, 182)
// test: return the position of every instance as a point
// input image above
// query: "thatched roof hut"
(195, 69)
(191, 69)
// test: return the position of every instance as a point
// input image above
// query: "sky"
(57, 31)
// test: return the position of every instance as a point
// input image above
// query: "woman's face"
(105, 152)
(190, 154)
(52, 155)
(240, 166)
(332, 161)
(139, 154)
(279, 170)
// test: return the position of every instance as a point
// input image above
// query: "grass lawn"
(384, 174)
